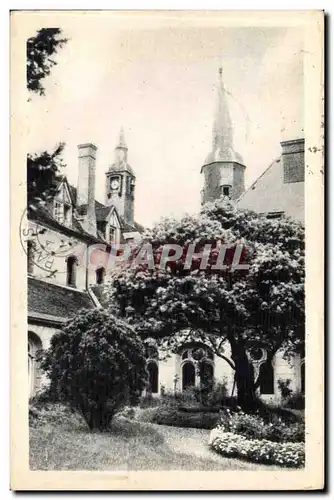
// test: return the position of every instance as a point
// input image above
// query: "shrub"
(176, 418)
(283, 386)
(191, 399)
(263, 451)
(96, 364)
(53, 413)
(255, 427)
(296, 401)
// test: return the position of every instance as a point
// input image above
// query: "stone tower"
(120, 182)
(223, 168)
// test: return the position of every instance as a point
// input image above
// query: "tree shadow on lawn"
(128, 446)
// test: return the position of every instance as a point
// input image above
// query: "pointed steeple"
(121, 141)
(223, 170)
(222, 130)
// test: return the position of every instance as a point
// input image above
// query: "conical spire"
(121, 141)
(222, 131)
(121, 155)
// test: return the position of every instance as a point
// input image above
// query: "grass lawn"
(129, 446)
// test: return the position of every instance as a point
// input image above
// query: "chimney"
(293, 160)
(86, 187)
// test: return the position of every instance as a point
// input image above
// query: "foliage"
(296, 401)
(40, 49)
(43, 175)
(261, 307)
(191, 399)
(263, 451)
(283, 386)
(96, 364)
(256, 427)
(176, 418)
(53, 413)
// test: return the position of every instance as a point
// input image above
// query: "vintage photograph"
(163, 211)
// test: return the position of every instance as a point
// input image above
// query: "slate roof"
(122, 166)
(100, 293)
(131, 227)
(42, 214)
(102, 212)
(55, 301)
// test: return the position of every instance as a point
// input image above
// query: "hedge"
(176, 418)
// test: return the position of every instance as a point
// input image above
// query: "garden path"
(194, 442)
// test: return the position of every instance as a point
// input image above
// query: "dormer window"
(111, 234)
(62, 206)
(62, 213)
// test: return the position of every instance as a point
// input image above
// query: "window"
(67, 215)
(30, 257)
(71, 271)
(34, 375)
(62, 213)
(58, 211)
(100, 275)
(266, 378)
(226, 190)
(188, 375)
(111, 234)
(153, 376)
(197, 367)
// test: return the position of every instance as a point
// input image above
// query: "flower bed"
(256, 427)
(257, 450)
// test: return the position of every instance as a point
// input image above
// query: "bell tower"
(120, 182)
(223, 168)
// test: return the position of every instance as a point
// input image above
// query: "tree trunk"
(244, 377)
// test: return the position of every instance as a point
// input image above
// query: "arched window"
(100, 275)
(302, 377)
(266, 378)
(71, 271)
(206, 375)
(34, 376)
(197, 363)
(30, 257)
(188, 375)
(153, 376)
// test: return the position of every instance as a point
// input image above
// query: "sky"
(159, 83)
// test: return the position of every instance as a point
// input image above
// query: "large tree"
(40, 51)
(259, 307)
(43, 172)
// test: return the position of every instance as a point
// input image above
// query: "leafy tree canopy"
(261, 307)
(40, 49)
(43, 174)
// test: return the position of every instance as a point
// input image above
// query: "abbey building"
(63, 276)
